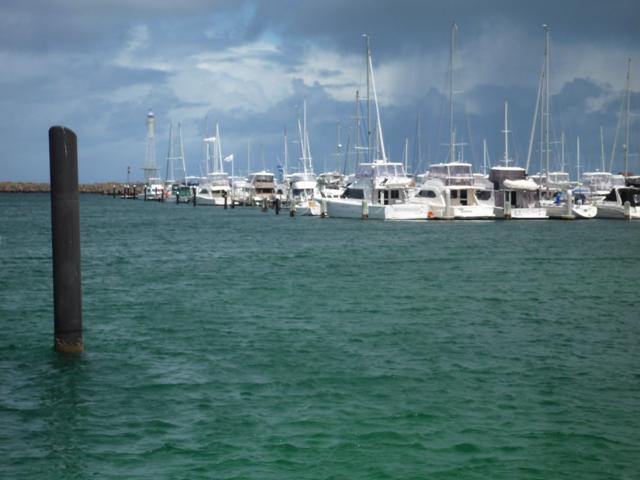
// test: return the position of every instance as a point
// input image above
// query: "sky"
(98, 67)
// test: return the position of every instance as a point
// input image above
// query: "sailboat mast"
(248, 157)
(546, 91)
(602, 148)
(626, 119)
(366, 37)
(379, 136)
(169, 172)
(452, 143)
(562, 152)
(286, 153)
(578, 158)
(484, 156)
(406, 153)
(506, 134)
(357, 132)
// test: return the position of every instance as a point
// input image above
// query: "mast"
(418, 151)
(150, 167)
(578, 158)
(248, 157)
(217, 155)
(184, 165)
(546, 95)
(338, 146)
(357, 132)
(535, 120)
(286, 153)
(625, 147)
(406, 153)
(485, 155)
(366, 37)
(452, 145)
(562, 152)
(602, 148)
(380, 138)
(169, 169)
(506, 131)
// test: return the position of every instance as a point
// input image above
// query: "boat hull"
(617, 211)
(561, 212)
(525, 213)
(344, 208)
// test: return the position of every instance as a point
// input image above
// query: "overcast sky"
(97, 67)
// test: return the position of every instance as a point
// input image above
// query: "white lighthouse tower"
(150, 167)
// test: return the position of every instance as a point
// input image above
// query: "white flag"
(210, 140)
(229, 158)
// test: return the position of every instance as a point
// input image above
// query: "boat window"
(204, 191)
(395, 194)
(611, 196)
(459, 170)
(454, 193)
(483, 194)
(364, 171)
(427, 194)
(353, 193)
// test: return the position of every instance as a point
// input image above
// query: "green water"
(240, 344)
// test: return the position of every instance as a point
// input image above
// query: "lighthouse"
(150, 167)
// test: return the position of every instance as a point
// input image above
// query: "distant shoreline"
(105, 188)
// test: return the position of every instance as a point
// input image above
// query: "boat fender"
(430, 214)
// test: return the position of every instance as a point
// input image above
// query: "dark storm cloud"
(98, 66)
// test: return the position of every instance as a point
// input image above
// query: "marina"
(320, 240)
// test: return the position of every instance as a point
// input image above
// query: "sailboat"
(555, 187)
(518, 197)
(380, 189)
(450, 190)
(303, 186)
(216, 188)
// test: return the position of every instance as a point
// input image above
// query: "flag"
(229, 158)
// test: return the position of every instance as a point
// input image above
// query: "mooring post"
(224, 194)
(65, 240)
(277, 205)
(193, 195)
(177, 197)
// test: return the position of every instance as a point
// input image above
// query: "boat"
(381, 189)
(517, 197)
(215, 187)
(621, 202)
(263, 187)
(450, 190)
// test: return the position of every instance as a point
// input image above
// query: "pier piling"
(65, 240)
(277, 206)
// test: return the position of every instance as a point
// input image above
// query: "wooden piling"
(65, 240)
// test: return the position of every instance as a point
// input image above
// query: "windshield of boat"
(364, 171)
(389, 170)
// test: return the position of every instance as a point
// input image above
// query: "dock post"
(323, 208)
(135, 192)
(65, 240)
(225, 200)
(365, 209)
(277, 205)
(507, 205)
(177, 197)
(193, 195)
(627, 210)
(292, 209)
(114, 191)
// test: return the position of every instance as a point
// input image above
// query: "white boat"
(381, 189)
(516, 196)
(621, 202)
(331, 184)
(450, 191)
(263, 187)
(601, 183)
(565, 208)
(240, 190)
(153, 190)
(303, 193)
(215, 188)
